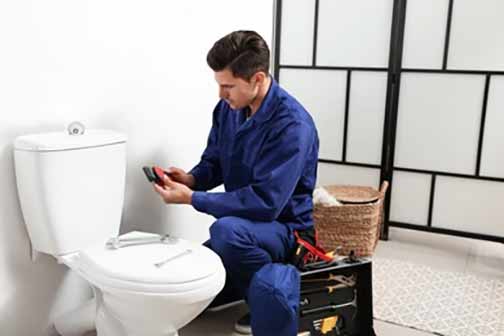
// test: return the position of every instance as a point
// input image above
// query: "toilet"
(71, 189)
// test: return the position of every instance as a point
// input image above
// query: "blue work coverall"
(268, 164)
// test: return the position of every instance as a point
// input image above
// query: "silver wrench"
(181, 254)
(118, 242)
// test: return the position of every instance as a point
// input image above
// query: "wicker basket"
(356, 224)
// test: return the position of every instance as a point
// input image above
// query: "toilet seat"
(190, 266)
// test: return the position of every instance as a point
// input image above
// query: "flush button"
(76, 128)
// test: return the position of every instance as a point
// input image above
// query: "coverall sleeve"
(275, 176)
(208, 172)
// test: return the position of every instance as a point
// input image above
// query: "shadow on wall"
(143, 209)
(31, 291)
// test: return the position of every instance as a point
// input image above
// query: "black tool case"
(336, 299)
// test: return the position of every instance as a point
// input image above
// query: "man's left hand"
(174, 192)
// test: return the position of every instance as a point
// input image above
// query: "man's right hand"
(179, 175)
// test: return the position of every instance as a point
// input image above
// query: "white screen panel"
(329, 173)
(492, 156)
(424, 34)
(368, 92)
(477, 35)
(438, 122)
(469, 205)
(322, 93)
(410, 198)
(354, 33)
(296, 41)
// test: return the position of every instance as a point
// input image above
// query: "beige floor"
(438, 251)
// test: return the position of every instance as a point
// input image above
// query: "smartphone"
(154, 174)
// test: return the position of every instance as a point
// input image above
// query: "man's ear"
(259, 77)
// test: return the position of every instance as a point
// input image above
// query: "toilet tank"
(71, 188)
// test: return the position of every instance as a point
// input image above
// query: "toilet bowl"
(71, 190)
(134, 297)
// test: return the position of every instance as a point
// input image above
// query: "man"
(263, 146)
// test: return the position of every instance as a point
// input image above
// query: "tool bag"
(330, 296)
(307, 251)
(336, 298)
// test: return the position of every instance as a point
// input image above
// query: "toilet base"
(85, 319)
(78, 321)
(107, 324)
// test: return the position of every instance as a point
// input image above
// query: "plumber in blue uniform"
(263, 146)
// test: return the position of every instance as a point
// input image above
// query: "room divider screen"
(406, 91)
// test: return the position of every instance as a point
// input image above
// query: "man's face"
(237, 92)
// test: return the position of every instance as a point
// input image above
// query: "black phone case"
(151, 175)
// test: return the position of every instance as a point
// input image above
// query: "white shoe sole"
(243, 330)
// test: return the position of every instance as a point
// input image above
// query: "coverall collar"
(264, 112)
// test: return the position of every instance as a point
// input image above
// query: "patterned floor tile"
(448, 303)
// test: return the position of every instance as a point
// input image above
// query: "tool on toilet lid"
(164, 262)
(119, 242)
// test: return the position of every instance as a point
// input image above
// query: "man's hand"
(179, 175)
(174, 192)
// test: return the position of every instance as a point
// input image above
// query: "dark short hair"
(244, 52)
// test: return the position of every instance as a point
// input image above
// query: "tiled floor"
(438, 251)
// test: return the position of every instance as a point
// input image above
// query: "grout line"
(408, 327)
(468, 258)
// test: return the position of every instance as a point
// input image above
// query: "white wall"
(133, 66)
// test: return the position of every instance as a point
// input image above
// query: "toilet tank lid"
(60, 141)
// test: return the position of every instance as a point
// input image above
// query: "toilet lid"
(185, 262)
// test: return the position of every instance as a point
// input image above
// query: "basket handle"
(383, 188)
